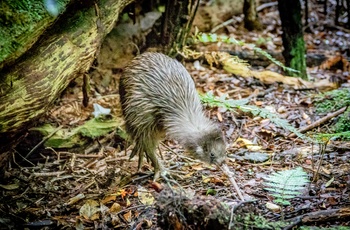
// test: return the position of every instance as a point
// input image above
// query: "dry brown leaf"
(128, 216)
(157, 186)
(219, 116)
(90, 210)
(76, 198)
(333, 61)
(248, 144)
(116, 207)
(109, 198)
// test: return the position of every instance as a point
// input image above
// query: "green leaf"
(285, 185)
(65, 138)
(211, 192)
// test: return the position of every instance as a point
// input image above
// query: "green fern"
(286, 184)
(206, 38)
(328, 136)
(230, 104)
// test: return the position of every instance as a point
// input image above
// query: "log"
(36, 80)
(21, 25)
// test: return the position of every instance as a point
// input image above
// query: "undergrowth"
(330, 102)
(230, 104)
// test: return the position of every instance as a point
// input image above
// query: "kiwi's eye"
(212, 155)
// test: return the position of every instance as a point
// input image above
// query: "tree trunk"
(293, 40)
(35, 81)
(251, 19)
(177, 23)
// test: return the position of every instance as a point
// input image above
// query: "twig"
(43, 141)
(222, 25)
(82, 155)
(14, 159)
(227, 171)
(49, 173)
(320, 121)
(266, 5)
(131, 208)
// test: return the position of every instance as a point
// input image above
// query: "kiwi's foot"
(159, 170)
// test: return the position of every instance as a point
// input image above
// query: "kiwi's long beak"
(224, 168)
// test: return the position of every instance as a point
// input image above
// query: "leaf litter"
(95, 185)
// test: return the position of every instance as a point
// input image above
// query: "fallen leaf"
(127, 216)
(211, 192)
(145, 196)
(248, 144)
(197, 167)
(90, 210)
(9, 186)
(109, 198)
(205, 179)
(128, 203)
(116, 207)
(188, 175)
(256, 156)
(219, 116)
(157, 186)
(329, 182)
(76, 199)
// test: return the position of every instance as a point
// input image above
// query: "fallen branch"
(320, 121)
(320, 216)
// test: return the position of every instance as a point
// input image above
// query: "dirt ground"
(95, 185)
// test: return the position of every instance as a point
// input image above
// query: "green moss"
(298, 62)
(252, 221)
(343, 124)
(21, 20)
(332, 100)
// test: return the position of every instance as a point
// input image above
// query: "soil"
(96, 185)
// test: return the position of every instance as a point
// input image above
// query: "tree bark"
(20, 27)
(292, 37)
(66, 51)
(176, 24)
(251, 19)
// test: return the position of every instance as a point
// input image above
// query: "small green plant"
(285, 185)
(255, 221)
(332, 100)
(263, 41)
(230, 104)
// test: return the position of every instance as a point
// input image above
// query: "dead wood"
(34, 82)
(320, 216)
(180, 212)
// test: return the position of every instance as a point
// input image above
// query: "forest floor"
(95, 185)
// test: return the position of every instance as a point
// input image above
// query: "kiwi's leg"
(150, 146)
(138, 150)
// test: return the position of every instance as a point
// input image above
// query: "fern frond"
(343, 135)
(230, 104)
(286, 184)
